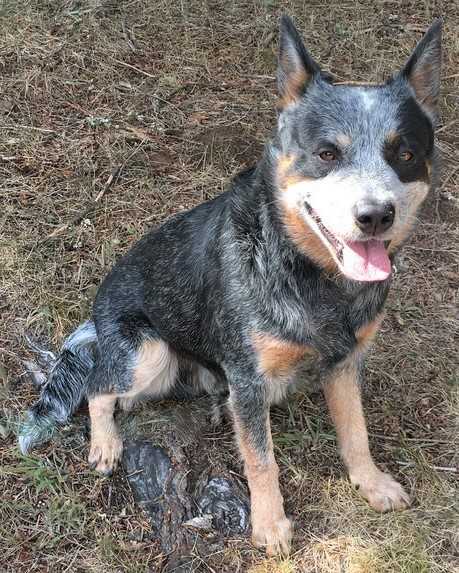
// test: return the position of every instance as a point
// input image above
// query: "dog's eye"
(406, 156)
(327, 155)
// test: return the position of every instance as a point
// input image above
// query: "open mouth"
(358, 260)
(336, 244)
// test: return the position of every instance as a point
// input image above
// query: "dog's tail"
(64, 389)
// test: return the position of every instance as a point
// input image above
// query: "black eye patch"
(407, 159)
(415, 126)
(409, 149)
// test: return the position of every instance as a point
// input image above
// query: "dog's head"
(353, 162)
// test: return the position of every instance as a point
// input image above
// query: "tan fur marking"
(155, 370)
(154, 373)
(293, 179)
(420, 81)
(416, 193)
(392, 137)
(276, 357)
(343, 400)
(306, 240)
(293, 87)
(365, 334)
(106, 444)
(429, 170)
(284, 163)
(297, 228)
(270, 527)
(283, 167)
(284, 174)
(344, 403)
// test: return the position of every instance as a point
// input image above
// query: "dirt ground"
(115, 114)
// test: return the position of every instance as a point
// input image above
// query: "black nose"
(374, 218)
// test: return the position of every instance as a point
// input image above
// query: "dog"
(294, 259)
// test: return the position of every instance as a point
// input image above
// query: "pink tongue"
(366, 261)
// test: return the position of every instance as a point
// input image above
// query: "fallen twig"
(138, 70)
(32, 127)
(112, 178)
(437, 468)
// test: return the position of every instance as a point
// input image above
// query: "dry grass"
(181, 95)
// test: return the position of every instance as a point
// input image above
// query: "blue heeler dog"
(295, 258)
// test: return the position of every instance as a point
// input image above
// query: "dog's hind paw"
(381, 491)
(105, 455)
(275, 536)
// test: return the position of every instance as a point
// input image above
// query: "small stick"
(41, 129)
(112, 178)
(437, 468)
(138, 70)
(445, 469)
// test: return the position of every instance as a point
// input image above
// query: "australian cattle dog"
(295, 258)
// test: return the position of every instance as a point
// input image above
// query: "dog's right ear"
(422, 71)
(296, 67)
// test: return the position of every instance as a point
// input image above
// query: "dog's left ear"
(296, 67)
(422, 71)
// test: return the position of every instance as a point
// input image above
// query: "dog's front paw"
(381, 491)
(273, 535)
(105, 455)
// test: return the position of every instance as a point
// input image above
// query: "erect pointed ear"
(422, 71)
(296, 67)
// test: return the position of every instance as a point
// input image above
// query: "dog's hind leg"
(106, 443)
(149, 373)
(153, 375)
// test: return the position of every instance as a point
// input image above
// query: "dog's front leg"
(342, 393)
(270, 527)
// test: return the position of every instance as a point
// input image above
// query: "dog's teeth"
(325, 232)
